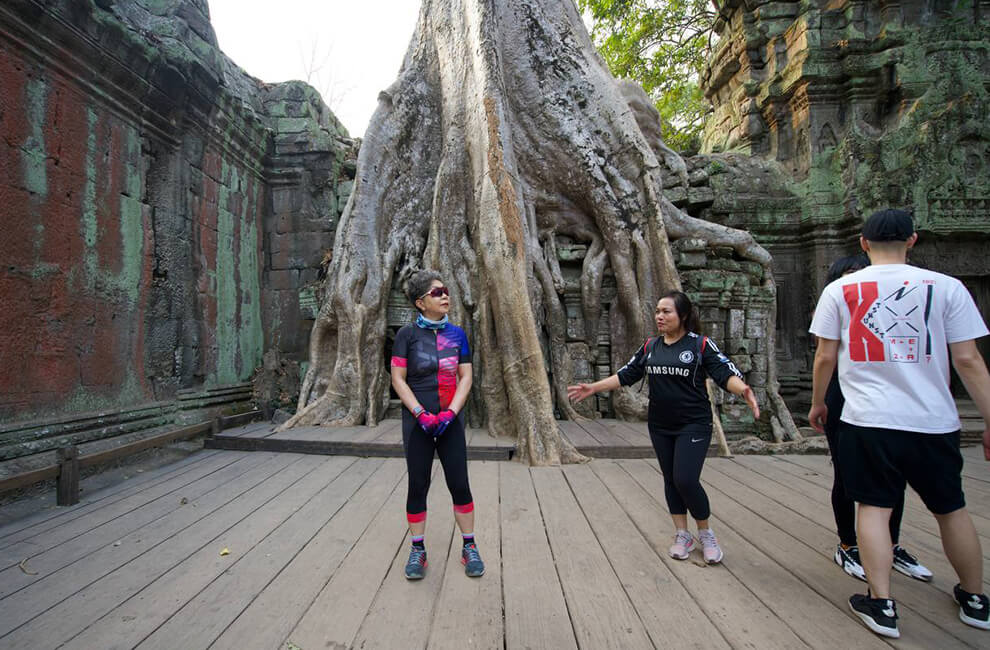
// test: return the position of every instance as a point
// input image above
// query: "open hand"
(579, 392)
(750, 398)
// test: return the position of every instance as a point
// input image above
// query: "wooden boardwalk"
(596, 438)
(576, 557)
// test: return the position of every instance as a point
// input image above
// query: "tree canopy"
(662, 45)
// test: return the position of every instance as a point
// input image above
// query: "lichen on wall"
(138, 172)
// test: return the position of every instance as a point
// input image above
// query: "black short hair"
(846, 264)
(419, 283)
(888, 225)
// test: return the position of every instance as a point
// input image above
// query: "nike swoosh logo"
(696, 439)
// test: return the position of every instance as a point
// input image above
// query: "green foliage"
(663, 45)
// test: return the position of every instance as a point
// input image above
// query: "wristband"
(418, 410)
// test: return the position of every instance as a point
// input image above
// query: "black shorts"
(878, 463)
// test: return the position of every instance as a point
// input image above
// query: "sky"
(349, 49)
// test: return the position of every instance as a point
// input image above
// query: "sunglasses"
(436, 292)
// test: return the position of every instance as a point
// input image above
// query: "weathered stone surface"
(140, 182)
(843, 108)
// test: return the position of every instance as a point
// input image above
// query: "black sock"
(418, 543)
(468, 539)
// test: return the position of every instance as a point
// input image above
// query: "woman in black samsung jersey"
(680, 417)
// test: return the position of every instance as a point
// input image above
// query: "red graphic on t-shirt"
(864, 345)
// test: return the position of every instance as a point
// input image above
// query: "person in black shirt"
(680, 417)
(431, 374)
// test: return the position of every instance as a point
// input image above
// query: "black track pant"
(681, 457)
(420, 448)
(844, 508)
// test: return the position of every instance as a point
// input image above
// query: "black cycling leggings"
(681, 457)
(420, 447)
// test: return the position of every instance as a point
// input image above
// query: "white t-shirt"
(894, 323)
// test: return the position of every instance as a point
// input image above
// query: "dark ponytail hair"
(686, 311)
(845, 265)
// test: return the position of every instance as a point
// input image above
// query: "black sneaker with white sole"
(848, 559)
(974, 609)
(878, 614)
(909, 565)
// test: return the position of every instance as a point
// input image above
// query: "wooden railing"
(66, 469)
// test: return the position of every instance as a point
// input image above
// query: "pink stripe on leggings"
(415, 517)
(467, 507)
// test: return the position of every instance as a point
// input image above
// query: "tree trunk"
(503, 131)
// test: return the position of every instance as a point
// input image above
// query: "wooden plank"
(201, 620)
(270, 618)
(25, 479)
(408, 626)
(799, 584)
(671, 617)
(601, 611)
(536, 614)
(818, 488)
(334, 618)
(171, 586)
(390, 435)
(370, 434)
(469, 610)
(58, 547)
(633, 435)
(253, 430)
(731, 606)
(71, 599)
(576, 435)
(925, 622)
(916, 514)
(919, 531)
(24, 527)
(88, 460)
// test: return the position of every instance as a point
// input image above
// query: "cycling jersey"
(431, 357)
(678, 398)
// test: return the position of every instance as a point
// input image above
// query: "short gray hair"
(419, 283)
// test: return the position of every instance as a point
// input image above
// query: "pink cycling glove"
(428, 422)
(444, 418)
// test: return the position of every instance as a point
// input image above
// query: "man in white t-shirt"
(891, 328)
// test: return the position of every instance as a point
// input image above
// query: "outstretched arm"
(737, 386)
(582, 391)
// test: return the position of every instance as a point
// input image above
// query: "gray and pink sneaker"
(682, 546)
(713, 554)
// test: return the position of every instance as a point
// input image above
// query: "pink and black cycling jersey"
(430, 358)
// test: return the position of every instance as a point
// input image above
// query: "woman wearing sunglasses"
(431, 373)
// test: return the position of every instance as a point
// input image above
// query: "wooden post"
(217, 425)
(68, 476)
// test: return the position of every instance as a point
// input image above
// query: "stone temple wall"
(857, 106)
(163, 212)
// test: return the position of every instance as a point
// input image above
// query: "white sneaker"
(683, 545)
(909, 565)
(713, 553)
(848, 559)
